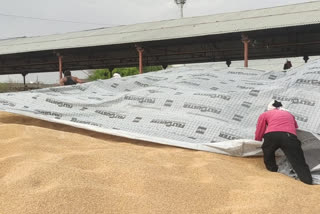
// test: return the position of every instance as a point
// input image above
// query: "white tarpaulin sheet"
(198, 107)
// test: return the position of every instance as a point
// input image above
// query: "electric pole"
(180, 3)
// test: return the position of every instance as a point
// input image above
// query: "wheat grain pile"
(53, 168)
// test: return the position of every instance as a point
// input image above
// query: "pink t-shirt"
(275, 121)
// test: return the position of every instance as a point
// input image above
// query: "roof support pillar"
(60, 66)
(245, 40)
(24, 74)
(140, 51)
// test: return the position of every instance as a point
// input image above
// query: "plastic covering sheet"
(199, 107)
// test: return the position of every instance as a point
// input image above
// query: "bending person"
(278, 129)
(69, 80)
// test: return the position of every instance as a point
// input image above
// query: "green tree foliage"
(106, 74)
(100, 74)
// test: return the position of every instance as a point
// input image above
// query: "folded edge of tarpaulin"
(241, 148)
(310, 145)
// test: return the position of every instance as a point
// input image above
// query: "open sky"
(42, 17)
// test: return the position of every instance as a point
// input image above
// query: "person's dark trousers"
(291, 147)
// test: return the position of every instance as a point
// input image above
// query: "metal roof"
(244, 21)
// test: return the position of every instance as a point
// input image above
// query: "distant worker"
(278, 129)
(69, 80)
(287, 65)
(116, 75)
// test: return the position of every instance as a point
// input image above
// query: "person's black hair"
(277, 104)
(67, 73)
(287, 65)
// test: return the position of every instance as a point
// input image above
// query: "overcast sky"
(76, 15)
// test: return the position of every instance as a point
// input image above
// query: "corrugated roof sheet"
(268, 18)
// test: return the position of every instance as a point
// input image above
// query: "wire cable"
(52, 20)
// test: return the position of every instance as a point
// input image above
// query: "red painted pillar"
(60, 66)
(140, 50)
(245, 41)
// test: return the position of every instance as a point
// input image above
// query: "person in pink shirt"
(277, 127)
